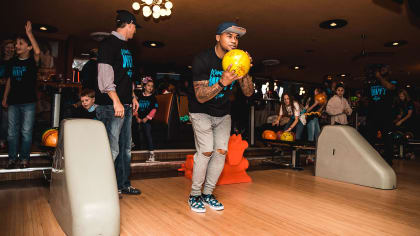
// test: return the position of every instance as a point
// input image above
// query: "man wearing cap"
(116, 99)
(210, 114)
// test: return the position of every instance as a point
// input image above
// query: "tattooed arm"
(247, 85)
(204, 92)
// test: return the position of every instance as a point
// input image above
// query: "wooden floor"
(278, 202)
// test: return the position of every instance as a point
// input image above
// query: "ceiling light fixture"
(153, 44)
(397, 43)
(154, 8)
(44, 28)
(343, 75)
(297, 67)
(333, 24)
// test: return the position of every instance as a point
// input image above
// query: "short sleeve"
(155, 105)
(199, 69)
(106, 52)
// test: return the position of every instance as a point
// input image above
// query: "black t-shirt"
(89, 75)
(403, 109)
(81, 112)
(381, 100)
(22, 74)
(208, 66)
(146, 104)
(114, 52)
(3, 65)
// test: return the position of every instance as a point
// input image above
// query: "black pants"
(385, 126)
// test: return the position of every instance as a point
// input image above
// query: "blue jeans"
(298, 129)
(313, 129)
(3, 124)
(119, 135)
(21, 122)
(147, 131)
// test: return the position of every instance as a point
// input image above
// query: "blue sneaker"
(196, 204)
(210, 199)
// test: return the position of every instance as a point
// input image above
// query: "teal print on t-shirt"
(144, 104)
(18, 71)
(215, 76)
(377, 91)
(127, 61)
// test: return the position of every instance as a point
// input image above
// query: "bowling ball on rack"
(50, 138)
(240, 61)
(287, 136)
(269, 134)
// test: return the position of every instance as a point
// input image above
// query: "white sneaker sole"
(198, 210)
(214, 208)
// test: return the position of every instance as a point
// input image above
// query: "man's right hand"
(228, 76)
(4, 103)
(119, 109)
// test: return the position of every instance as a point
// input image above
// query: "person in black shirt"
(381, 92)
(7, 51)
(147, 110)
(87, 108)
(89, 73)
(209, 108)
(405, 121)
(115, 99)
(20, 98)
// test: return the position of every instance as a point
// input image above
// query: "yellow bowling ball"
(239, 60)
(287, 136)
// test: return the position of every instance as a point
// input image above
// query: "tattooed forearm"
(247, 85)
(203, 92)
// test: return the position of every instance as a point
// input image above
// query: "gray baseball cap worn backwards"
(230, 27)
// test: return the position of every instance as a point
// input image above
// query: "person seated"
(290, 109)
(86, 108)
(338, 107)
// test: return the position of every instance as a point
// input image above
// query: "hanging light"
(156, 15)
(163, 12)
(154, 8)
(136, 6)
(168, 4)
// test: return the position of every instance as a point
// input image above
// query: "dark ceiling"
(286, 30)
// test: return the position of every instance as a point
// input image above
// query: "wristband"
(220, 84)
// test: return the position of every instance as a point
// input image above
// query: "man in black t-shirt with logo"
(381, 93)
(115, 98)
(209, 108)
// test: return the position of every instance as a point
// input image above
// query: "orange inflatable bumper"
(235, 164)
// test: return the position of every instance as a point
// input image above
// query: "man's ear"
(217, 38)
(30, 47)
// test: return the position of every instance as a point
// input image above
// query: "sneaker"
(120, 194)
(131, 191)
(24, 164)
(151, 158)
(210, 199)
(196, 204)
(11, 164)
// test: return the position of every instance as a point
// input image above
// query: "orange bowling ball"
(50, 138)
(321, 98)
(240, 61)
(269, 134)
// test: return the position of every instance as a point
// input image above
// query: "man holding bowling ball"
(209, 108)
